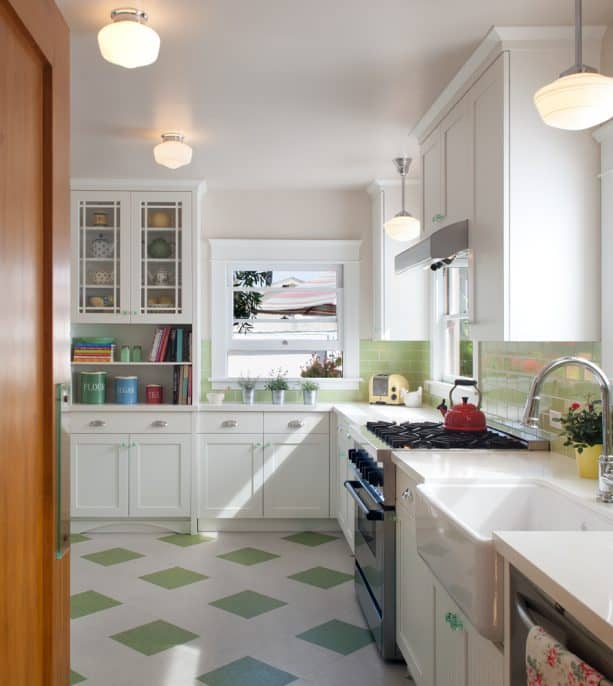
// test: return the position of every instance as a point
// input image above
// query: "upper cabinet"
(132, 256)
(400, 301)
(530, 192)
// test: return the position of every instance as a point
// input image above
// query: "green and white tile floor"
(229, 610)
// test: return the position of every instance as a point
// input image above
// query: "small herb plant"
(278, 380)
(310, 386)
(248, 383)
(582, 427)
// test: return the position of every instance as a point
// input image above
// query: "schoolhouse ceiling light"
(127, 40)
(172, 152)
(403, 226)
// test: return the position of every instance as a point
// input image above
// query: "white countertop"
(574, 568)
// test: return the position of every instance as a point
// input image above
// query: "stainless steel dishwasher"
(531, 606)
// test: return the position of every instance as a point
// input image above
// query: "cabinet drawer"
(296, 422)
(229, 423)
(130, 422)
(406, 491)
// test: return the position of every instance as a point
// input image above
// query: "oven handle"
(523, 613)
(372, 515)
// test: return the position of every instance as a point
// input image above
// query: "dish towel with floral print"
(548, 663)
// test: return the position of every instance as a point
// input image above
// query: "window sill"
(294, 384)
(442, 389)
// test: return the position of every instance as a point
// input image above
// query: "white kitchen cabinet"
(231, 476)
(160, 475)
(296, 476)
(414, 590)
(345, 505)
(529, 191)
(99, 475)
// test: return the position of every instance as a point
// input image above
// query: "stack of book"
(92, 350)
(182, 385)
(171, 344)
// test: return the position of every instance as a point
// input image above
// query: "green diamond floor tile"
(248, 556)
(338, 636)
(248, 604)
(322, 577)
(78, 538)
(154, 637)
(112, 556)
(88, 602)
(185, 540)
(175, 577)
(247, 672)
(76, 678)
(310, 538)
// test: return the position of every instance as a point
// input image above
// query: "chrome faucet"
(531, 410)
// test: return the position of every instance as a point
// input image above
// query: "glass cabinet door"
(161, 280)
(101, 248)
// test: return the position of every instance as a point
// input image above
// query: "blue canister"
(126, 390)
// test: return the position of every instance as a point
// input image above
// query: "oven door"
(369, 539)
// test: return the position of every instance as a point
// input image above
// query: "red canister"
(154, 394)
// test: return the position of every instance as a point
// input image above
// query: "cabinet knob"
(407, 494)
(160, 424)
(97, 423)
(437, 218)
(133, 445)
(230, 423)
(257, 445)
(454, 621)
(295, 424)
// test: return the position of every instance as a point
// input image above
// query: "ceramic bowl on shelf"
(159, 249)
(101, 277)
(101, 248)
(215, 397)
(159, 219)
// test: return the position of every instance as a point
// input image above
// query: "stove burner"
(434, 436)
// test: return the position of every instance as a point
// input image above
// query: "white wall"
(607, 53)
(318, 214)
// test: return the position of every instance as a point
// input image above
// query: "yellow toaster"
(385, 389)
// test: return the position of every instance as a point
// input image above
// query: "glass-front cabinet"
(132, 257)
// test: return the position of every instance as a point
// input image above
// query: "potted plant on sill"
(309, 392)
(277, 385)
(582, 428)
(247, 385)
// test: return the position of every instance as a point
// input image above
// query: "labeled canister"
(154, 394)
(92, 388)
(126, 390)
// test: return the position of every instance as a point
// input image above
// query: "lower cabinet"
(345, 505)
(231, 476)
(130, 475)
(296, 476)
(451, 641)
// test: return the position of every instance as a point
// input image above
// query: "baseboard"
(269, 525)
(130, 526)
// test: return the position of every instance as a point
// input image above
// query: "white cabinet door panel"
(99, 469)
(296, 476)
(451, 645)
(230, 476)
(432, 181)
(160, 469)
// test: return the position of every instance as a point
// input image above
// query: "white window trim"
(226, 253)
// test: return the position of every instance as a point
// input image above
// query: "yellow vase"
(587, 461)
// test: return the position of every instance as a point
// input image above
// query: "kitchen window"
(453, 353)
(271, 310)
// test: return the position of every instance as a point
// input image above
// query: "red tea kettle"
(464, 417)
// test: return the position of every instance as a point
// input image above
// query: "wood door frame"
(42, 21)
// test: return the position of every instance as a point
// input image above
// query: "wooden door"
(34, 346)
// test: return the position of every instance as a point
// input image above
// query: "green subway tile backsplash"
(409, 358)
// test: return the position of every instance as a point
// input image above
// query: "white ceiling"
(279, 93)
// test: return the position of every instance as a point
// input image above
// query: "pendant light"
(581, 97)
(127, 40)
(172, 152)
(403, 226)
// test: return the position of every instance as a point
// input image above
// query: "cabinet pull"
(123, 445)
(437, 218)
(97, 423)
(407, 494)
(133, 445)
(454, 621)
(160, 423)
(295, 424)
(257, 445)
(230, 423)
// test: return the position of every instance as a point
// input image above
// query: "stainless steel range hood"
(445, 242)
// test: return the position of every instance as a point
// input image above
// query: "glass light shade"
(129, 44)
(402, 227)
(172, 154)
(576, 102)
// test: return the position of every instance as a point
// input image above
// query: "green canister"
(92, 390)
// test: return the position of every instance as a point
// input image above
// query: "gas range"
(434, 436)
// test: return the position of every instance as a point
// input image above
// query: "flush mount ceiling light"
(402, 227)
(581, 97)
(172, 152)
(127, 41)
